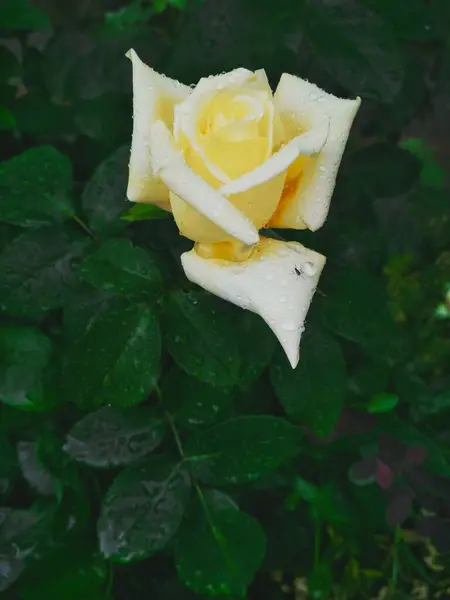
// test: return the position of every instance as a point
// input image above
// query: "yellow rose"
(228, 158)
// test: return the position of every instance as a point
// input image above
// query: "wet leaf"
(35, 188)
(356, 48)
(195, 321)
(242, 449)
(113, 437)
(192, 403)
(116, 360)
(25, 354)
(33, 471)
(36, 270)
(104, 197)
(353, 293)
(143, 509)
(219, 548)
(314, 391)
(119, 267)
(21, 533)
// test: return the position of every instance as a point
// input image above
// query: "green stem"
(394, 576)
(110, 580)
(83, 226)
(317, 536)
(197, 487)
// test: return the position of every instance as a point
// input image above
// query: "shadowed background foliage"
(154, 441)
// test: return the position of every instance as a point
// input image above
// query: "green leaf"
(302, 490)
(21, 534)
(118, 266)
(25, 353)
(314, 391)
(220, 547)
(8, 464)
(145, 212)
(242, 449)
(34, 472)
(382, 403)
(35, 188)
(329, 506)
(20, 15)
(432, 174)
(143, 509)
(320, 581)
(356, 308)
(81, 308)
(76, 577)
(192, 403)
(382, 170)
(257, 344)
(113, 437)
(36, 269)
(104, 197)
(116, 360)
(411, 20)
(7, 120)
(200, 334)
(357, 48)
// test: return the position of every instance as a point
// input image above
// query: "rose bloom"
(228, 157)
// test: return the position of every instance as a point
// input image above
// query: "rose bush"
(228, 158)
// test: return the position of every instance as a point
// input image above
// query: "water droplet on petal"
(308, 268)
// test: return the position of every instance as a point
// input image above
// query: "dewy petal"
(277, 282)
(169, 165)
(154, 97)
(303, 106)
(186, 113)
(308, 144)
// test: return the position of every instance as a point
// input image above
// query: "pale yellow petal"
(309, 187)
(192, 196)
(277, 282)
(154, 97)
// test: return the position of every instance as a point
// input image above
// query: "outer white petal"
(303, 105)
(154, 97)
(307, 144)
(277, 282)
(169, 165)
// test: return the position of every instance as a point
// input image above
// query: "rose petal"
(169, 165)
(154, 97)
(303, 107)
(277, 282)
(307, 144)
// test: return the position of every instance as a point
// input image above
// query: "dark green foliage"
(154, 441)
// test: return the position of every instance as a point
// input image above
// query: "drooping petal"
(277, 282)
(310, 183)
(154, 98)
(193, 192)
